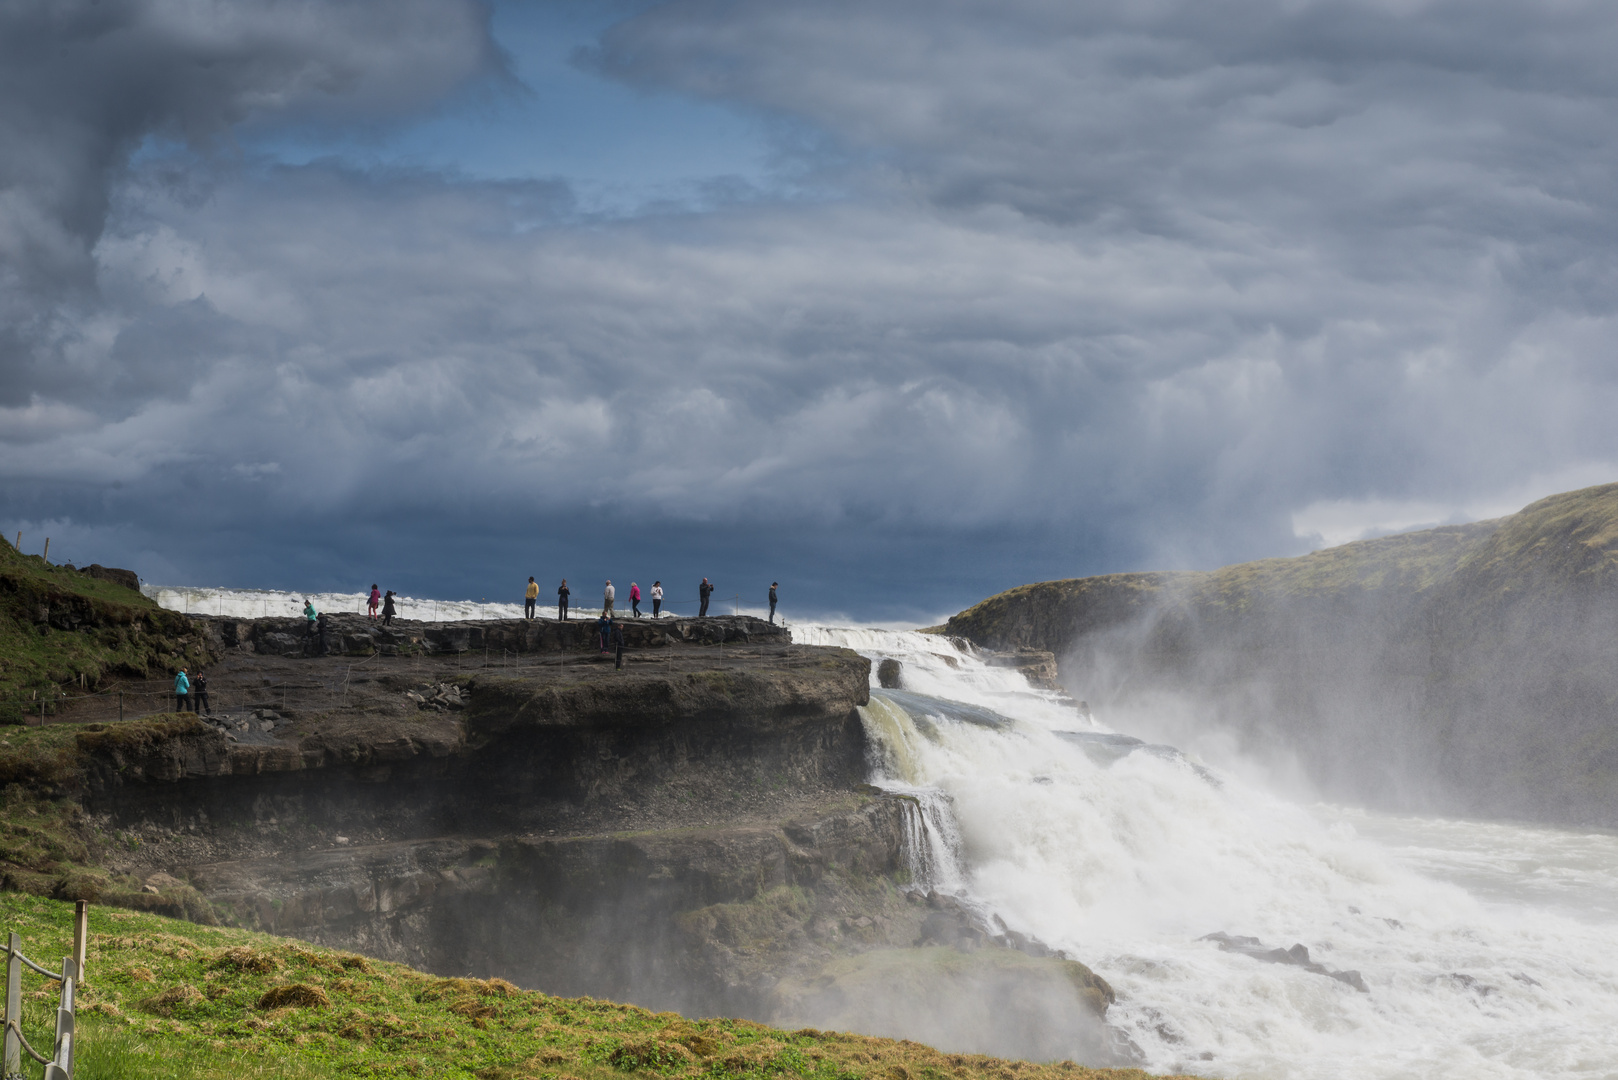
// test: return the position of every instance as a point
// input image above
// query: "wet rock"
(888, 674)
(1297, 956)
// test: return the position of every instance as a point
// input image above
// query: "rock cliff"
(690, 830)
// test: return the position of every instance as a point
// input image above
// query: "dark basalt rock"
(889, 674)
(1297, 956)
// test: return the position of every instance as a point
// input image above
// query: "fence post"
(13, 1053)
(81, 937)
(61, 1063)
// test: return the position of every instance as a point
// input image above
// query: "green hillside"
(63, 629)
(1469, 668)
(171, 1000)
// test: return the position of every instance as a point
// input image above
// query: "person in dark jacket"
(704, 591)
(182, 692)
(199, 696)
(387, 609)
(618, 642)
(773, 584)
(320, 633)
(603, 630)
(561, 600)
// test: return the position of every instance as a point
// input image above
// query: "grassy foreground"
(172, 1000)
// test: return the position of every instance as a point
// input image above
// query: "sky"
(898, 303)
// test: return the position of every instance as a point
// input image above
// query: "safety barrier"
(59, 1066)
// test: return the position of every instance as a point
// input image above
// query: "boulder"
(888, 674)
(127, 578)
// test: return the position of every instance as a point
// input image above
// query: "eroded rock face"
(358, 635)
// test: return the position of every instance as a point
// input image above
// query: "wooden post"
(47, 555)
(13, 1048)
(81, 937)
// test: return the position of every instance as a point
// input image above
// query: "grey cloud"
(1096, 287)
(83, 83)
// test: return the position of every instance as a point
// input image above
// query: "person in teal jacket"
(182, 691)
(309, 617)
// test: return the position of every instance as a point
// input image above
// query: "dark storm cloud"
(84, 82)
(1089, 287)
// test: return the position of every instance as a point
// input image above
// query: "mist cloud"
(1110, 286)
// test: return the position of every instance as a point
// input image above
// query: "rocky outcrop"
(359, 635)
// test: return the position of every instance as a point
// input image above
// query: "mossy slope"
(59, 627)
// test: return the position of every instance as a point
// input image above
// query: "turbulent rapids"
(1485, 950)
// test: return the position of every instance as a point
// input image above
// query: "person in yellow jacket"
(533, 598)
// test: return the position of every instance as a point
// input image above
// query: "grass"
(59, 626)
(177, 1001)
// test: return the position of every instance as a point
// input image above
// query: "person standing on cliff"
(388, 609)
(634, 599)
(199, 696)
(603, 630)
(309, 617)
(561, 601)
(607, 598)
(657, 598)
(320, 633)
(532, 598)
(618, 641)
(773, 584)
(374, 602)
(704, 591)
(182, 692)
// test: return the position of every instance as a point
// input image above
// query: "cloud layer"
(1058, 289)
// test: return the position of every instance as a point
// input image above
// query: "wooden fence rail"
(59, 1066)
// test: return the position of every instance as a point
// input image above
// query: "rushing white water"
(1490, 950)
(259, 603)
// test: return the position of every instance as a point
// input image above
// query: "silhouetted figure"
(561, 600)
(704, 590)
(531, 598)
(387, 609)
(773, 584)
(603, 630)
(618, 640)
(199, 695)
(320, 633)
(182, 692)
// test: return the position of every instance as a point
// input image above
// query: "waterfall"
(1488, 950)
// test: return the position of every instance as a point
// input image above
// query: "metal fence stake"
(13, 1048)
(81, 937)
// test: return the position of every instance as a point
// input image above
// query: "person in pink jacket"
(634, 599)
(375, 601)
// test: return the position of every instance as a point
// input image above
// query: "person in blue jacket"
(182, 691)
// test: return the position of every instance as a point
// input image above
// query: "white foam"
(1127, 864)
